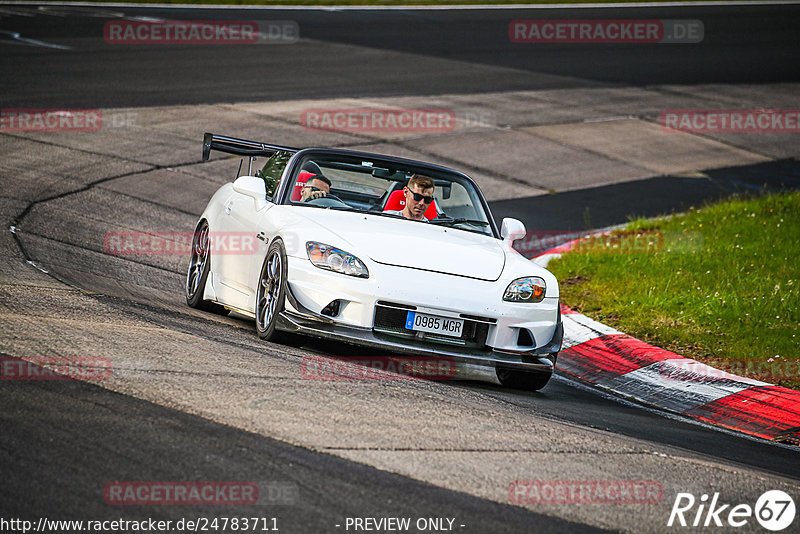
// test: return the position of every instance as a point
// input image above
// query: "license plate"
(446, 326)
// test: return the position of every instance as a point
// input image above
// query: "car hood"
(416, 245)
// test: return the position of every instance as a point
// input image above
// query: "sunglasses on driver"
(417, 196)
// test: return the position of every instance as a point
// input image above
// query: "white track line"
(16, 38)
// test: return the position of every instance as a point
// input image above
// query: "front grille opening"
(478, 318)
(395, 305)
(332, 309)
(392, 321)
(524, 338)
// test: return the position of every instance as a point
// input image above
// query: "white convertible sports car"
(340, 255)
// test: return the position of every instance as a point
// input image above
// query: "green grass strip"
(720, 284)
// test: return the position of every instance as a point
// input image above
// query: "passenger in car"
(317, 186)
(419, 195)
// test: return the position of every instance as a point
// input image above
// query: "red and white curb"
(601, 356)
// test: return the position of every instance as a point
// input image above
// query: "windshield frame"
(285, 188)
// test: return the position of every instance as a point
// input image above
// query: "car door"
(239, 245)
(233, 244)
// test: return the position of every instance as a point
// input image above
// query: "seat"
(308, 170)
(397, 201)
(302, 178)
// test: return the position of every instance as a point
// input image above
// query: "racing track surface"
(197, 397)
(380, 53)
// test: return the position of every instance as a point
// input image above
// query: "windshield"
(387, 188)
(273, 169)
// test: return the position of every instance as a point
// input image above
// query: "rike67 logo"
(774, 510)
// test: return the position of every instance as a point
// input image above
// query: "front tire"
(197, 273)
(524, 380)
(271, 294)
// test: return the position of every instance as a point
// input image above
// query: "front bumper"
(513, 334)
(539, 360)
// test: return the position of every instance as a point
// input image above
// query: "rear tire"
(197, 273)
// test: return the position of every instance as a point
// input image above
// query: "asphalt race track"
(742, 44)
(197, 397)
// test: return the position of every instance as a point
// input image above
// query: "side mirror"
(511, 230)
(252, 187)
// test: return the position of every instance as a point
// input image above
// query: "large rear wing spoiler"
(240, 147)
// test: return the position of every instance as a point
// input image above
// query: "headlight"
(528, 289)
(332, 259)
